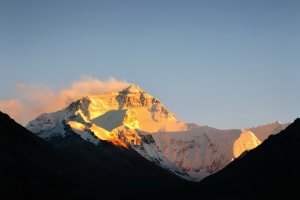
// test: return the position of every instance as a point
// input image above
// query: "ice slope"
(203, 150)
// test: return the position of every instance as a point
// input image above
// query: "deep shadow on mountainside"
(71, 168)
(31, 168)
(270, 171)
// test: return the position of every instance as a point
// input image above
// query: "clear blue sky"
(226, 64)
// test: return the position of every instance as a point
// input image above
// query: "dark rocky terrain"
(70, 167)
(31, 168)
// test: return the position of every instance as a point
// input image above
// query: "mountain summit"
(131, 108)
(133, 119)
(125, 118)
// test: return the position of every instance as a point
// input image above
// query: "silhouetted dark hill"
(31, 168)
(116, 172)
(270, 171)
(72, 168)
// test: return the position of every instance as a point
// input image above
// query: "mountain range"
(131, 118)
(127, 144)
(270, 171)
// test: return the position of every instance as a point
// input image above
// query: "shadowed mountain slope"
(31, 168)
(270, 171)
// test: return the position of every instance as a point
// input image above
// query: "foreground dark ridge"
(31, 168)
(270, 171)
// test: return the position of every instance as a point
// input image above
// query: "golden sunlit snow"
(245, 142)
(142, 112)
(131, 118)
(136, 110)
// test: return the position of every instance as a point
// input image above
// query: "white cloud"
(35, 99)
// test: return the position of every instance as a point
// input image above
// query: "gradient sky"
(226, 64)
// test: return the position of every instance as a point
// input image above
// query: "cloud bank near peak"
(35, 99)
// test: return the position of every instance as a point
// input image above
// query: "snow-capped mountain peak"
(133, 106)
(124, 118)
(133, 89)
(133, 119)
